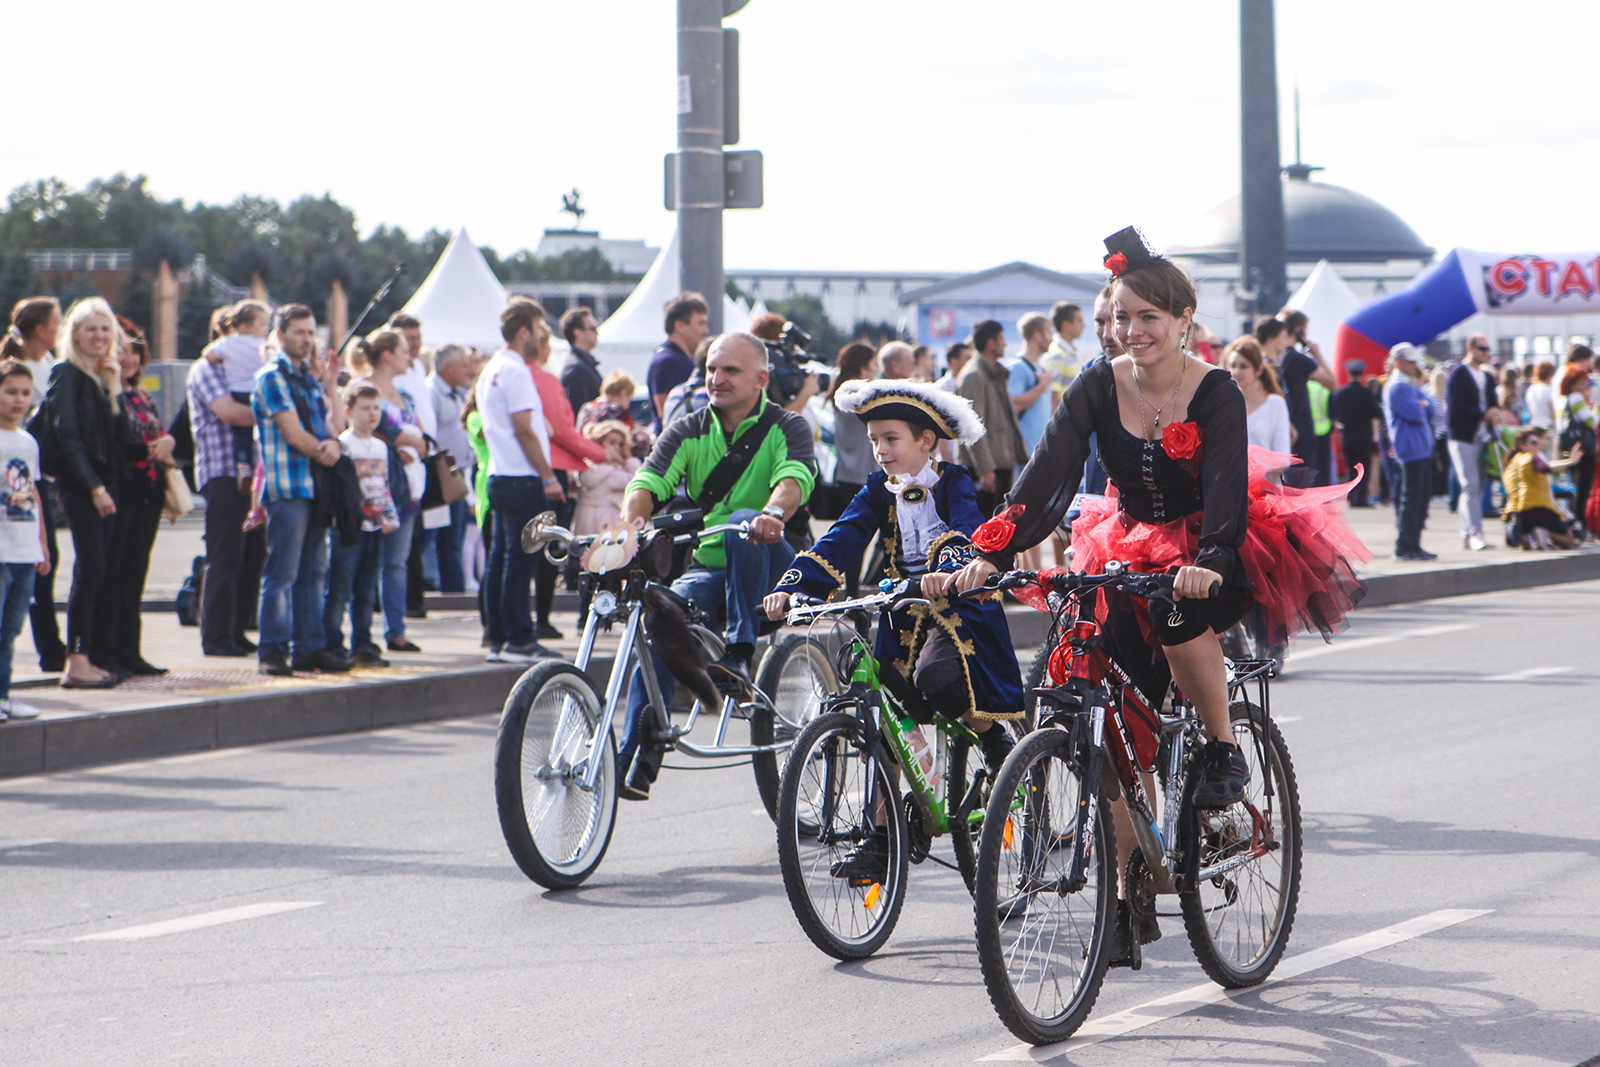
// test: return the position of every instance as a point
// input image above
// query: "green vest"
(1318, 393)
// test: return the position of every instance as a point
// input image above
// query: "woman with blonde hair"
(87, 437)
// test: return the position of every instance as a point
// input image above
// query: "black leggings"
(46, 631)
(117, 629)
(89, 565)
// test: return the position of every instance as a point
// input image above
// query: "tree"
(806, 311)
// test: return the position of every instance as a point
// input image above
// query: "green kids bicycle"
(846, 834)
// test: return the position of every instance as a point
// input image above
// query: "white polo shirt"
(505, 387)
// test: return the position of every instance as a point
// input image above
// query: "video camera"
(792, 364)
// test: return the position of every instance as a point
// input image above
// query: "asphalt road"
(1445, 754)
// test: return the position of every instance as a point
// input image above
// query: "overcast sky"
(898, 134)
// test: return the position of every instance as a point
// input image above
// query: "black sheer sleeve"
(1048, 483)
(1224, 477)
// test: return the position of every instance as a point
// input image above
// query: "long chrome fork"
(619, 673)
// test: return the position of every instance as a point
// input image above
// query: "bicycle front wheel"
(557, 830)
(796, 675)
(1042, 939)
(823, 814)
(1241, 865)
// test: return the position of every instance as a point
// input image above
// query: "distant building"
(848, 297)
(938, 315)
(1373, 249)
(626, 257)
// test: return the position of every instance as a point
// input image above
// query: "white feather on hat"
(919, 403)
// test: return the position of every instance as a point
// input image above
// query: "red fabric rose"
(1116, 264)
(1185, 442)
(995, 535)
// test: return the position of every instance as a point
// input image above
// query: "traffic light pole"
(701, 184)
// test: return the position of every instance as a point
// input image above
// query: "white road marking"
(1301, 655)
(196, 922)
(1168, 1007)
(27, 842)
(1529, 674)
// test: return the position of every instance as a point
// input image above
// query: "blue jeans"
(396, 551)
(515, 500)
(733, 594)
(16, 597)
(447, 541)
(352, 586)
(294, 580)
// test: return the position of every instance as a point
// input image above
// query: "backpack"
(188, 599)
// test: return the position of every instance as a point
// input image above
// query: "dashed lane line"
(1529, 675)
(1169, 1007)
(1301, 655)
(197, 922)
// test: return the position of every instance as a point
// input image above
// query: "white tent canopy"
(634, 330)
(459, 302)
(1327, 301)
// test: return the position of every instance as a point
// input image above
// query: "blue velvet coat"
(994, 682)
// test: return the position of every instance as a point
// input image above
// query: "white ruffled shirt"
(918, 519)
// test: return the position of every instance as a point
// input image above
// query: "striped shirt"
(288, 470)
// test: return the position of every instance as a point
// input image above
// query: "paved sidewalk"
(213, 702)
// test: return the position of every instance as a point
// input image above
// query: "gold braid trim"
(962, 553)
(950, 623)
(832, 571)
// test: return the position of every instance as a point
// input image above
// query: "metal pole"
(701, 181)
(1263, 246)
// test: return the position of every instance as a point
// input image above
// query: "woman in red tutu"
(1189, 498)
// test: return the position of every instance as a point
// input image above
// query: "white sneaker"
(1476, 543)
(16, 709)
(494, 655)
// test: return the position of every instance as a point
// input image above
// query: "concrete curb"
(253, 718)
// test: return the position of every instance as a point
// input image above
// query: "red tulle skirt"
(1298, 549)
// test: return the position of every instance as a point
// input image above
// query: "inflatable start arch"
(1466, 283)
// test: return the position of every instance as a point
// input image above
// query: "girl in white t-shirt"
(24, 553)
(1266, 410)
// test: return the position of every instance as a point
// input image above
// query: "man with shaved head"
(742, 458)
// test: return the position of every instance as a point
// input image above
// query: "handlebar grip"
(1216, 588)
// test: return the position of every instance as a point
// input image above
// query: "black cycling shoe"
(1120, 949)
(997, 745)
(1223, 776)
(866, 863)
(731, 672)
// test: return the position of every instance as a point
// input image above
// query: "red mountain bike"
(1046, 887)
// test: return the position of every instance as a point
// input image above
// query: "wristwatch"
(775, 511)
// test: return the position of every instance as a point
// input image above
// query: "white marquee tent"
(634, 330)
(1327, 301)
(459, 301)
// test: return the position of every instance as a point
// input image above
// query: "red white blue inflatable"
(1466, 283)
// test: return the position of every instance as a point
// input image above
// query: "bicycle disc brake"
(918, 841)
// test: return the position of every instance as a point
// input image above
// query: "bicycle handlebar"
(1134, 583)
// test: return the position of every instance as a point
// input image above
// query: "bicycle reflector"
(870, 901)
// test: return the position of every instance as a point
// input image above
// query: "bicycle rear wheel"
(1042, 944)
(822, 814)
(1241, 877)
(557, 830)
(797, 675)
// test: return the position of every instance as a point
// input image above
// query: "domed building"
(1371, 248)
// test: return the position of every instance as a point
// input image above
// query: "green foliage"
(297, 249)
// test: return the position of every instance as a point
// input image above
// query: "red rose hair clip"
(1116, 264)
(995, 535)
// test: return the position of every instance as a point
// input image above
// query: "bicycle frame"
(879, 718)
(1106, 695)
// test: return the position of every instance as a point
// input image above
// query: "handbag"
(445, 485)
(178, 501)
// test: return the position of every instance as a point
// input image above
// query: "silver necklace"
(1155, 422)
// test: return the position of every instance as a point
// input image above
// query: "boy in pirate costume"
(959, 655)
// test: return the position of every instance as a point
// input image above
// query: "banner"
(1532, 284)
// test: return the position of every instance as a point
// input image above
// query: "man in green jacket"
(771, 478)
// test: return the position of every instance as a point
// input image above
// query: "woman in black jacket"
(87, 436)
(131, 534)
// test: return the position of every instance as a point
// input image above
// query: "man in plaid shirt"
(296, 425)
(233, 557)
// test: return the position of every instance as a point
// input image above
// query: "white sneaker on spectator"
(1476, 543)
(494, 655)
(16, 709)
